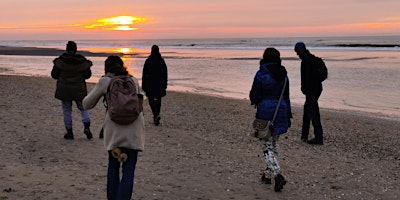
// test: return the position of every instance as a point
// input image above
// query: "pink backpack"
(124, 104)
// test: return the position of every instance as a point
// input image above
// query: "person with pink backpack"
(122, 139)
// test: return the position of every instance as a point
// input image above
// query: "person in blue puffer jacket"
(265, 92)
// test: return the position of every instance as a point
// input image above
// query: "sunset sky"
(119, 19)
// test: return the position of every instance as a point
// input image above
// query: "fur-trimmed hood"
(72, 62)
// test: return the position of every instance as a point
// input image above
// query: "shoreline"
(201, 150)
(298, 105)
(375, 109)
(40, 51)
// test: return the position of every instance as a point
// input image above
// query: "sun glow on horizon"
(125, 50)
(118, 23)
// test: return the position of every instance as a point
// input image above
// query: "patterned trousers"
(270, 151)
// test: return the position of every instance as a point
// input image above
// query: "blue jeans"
(121, 189)
(67, 112)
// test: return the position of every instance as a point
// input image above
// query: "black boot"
(69, 135)
(87, 131)
(279, 182)
(315, 141)
(156, 120)
(265, 180)
(304, 137)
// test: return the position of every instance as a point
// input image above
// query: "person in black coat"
(155, 81)
(311, 87)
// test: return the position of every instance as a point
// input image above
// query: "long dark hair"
(115, 65)
(271, 55)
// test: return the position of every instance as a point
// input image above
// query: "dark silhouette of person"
(311, 87)
(155, 81)
(71, 70)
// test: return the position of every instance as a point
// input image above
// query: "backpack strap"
(105, 102)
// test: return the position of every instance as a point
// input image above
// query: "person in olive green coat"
(71, 70)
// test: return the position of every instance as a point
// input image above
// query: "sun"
(125, 50)
(117, 23)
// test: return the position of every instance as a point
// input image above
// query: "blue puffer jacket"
(265, 92)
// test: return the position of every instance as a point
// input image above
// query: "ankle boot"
(315, 141)
(156, 120)
(265, 180)
(279, 182)
(69, 135)
(87, 131)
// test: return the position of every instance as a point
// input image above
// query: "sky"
(177, 19)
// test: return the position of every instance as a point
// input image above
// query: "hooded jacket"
(70, 71)
(265, 92)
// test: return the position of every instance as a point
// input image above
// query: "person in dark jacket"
(71, 70)
(311, 87)
(264, 94)
(155, 81)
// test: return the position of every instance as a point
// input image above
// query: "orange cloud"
(380, 25)
(120, 23)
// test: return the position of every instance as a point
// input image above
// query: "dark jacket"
(155, 76)
(70, 71)
(265, 92)
(310, 84)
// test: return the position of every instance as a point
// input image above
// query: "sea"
(364, 71)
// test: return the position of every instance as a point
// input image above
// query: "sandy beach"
(201, 150)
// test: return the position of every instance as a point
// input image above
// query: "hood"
(155, 55)
(277, 71)
(72, 62)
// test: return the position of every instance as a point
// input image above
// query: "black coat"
(310, 83)
(70, 71)
(155, 76)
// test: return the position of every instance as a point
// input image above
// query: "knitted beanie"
(71, 46)
(300, 47)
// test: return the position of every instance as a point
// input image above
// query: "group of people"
(71, 71)
(270, 84)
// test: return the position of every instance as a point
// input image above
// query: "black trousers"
(155, 105)
(311, 114)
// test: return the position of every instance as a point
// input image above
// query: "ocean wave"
(369, 45)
